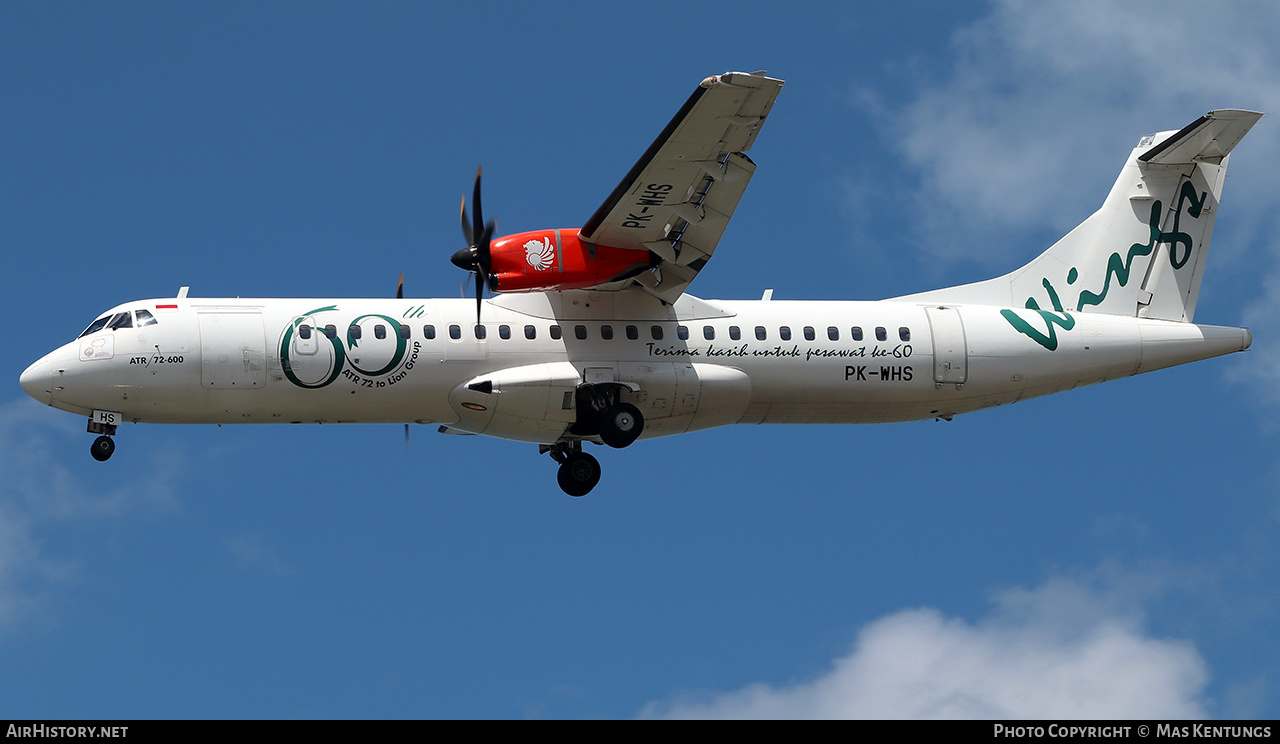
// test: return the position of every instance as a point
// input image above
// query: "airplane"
(590, 335)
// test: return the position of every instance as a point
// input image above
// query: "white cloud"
(250, 549)
(1030, 124)
(39, 490)
(1062, 650)
(1023, 133)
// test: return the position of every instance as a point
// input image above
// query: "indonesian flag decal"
(540, 253)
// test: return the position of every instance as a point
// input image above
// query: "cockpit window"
(121, 320)
(145, 318)
(95, 326)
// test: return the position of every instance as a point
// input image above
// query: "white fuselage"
(247, 361)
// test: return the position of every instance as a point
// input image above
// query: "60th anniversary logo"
(313, 356)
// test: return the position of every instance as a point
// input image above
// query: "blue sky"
(1107, 552)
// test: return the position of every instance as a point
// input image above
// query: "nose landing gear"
(102, 448)
(104, 445)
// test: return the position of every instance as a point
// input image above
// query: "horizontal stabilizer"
(1209, 138)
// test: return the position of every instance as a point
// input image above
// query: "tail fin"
(1143, 252)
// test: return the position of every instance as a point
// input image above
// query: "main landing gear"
(620, 424)
(579, 472)
(104, 445)
(600, 413)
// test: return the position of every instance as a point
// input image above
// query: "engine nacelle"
(544, 260)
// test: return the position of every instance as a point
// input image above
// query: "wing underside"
(677, 199)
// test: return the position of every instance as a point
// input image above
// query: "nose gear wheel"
(102, 448)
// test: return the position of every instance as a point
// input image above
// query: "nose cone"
(37, 380)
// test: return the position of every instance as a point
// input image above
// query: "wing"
(677, 199)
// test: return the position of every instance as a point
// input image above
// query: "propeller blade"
(466, 228)
(477, 257)
(400, 287)
(477, 218)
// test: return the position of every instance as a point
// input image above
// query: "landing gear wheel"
(102, 448)
(578, 474)
(621, 425)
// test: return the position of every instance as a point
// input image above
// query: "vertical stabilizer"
(1143, 252)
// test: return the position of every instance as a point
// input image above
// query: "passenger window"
(606, 332)
(656, 332)
(504, 331)
(455, 332)
(735, 333)
(709, 333)
(580, 332)
(555, 333)
(530, 332)
(403, 330)
(833, 333)
(633, 333)
(145, 318)
(355, 332)
(904, 334)
(481, 332)
(304, 331)
(331, 331)
(808, 333)
(682, 333)
(761, 334)
(379, 331)
(428, 332)
(856, 333)
(880, 334)
(785, 333)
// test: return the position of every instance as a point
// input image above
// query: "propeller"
(476, 257)
(400, 296)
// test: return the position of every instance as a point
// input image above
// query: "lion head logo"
(540, 253)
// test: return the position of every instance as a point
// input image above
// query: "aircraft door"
(233, 349)
(950, 352)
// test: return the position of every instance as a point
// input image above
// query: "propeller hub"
(465, 259)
